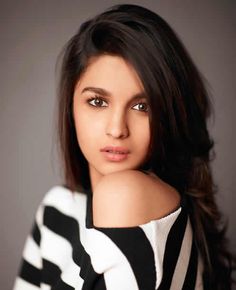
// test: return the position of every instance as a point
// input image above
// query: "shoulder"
(122, 181)
(135, 184)
(148, 197)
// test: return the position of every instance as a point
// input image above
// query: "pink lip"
(115, 153)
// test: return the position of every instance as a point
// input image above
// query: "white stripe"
(71, 276)
(31, 253)
(72, 204)
(45, 286)
(21, 284)
(65, 200)
(183, 260)
(199, 282)
(58, 250)
(157, 232)
(54, 248)
(107, 258)
(39, 215)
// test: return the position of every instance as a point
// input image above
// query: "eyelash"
(95, 98)
(101, 99)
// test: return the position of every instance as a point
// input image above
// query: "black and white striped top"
(65, 250)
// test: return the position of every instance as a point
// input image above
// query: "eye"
(97, 102)
(143, 107)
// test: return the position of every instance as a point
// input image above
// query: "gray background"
(32, 34)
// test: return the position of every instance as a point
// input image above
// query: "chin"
(111, 168)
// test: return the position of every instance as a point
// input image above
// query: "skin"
(138, 199)
(107, 114)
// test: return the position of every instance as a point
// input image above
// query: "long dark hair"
(181, 148)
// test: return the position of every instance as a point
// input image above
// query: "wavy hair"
(181, 148)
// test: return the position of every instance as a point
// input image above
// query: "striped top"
(65, 250)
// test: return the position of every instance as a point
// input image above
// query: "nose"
(117, 126)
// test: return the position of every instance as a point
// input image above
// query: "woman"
(138, 207)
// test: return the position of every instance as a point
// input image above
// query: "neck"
(95, 177)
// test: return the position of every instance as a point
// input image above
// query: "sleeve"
(29, 275)
(131, 257)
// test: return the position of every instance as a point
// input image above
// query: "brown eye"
(97, 102)
(143, 107)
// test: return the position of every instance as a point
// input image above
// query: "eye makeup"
(99, 102)
(142, 108)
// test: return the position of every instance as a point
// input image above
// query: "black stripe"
(133, 242)
(68, 228)
(172, 249)
(51, 276)
(62, 286)
(30, 273)
(61, 224)
(51, 273)
(191, 275)
(93, 280)
(35, 232)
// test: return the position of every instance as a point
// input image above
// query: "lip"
(115, 153)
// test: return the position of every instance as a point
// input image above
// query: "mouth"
(114, 153)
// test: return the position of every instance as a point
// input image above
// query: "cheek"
(87, 128)
(142, 134)
(145, 143)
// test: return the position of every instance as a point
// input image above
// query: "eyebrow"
(106, 93)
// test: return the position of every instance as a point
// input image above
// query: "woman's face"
(111, 117)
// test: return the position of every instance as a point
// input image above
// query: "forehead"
(111, 73)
